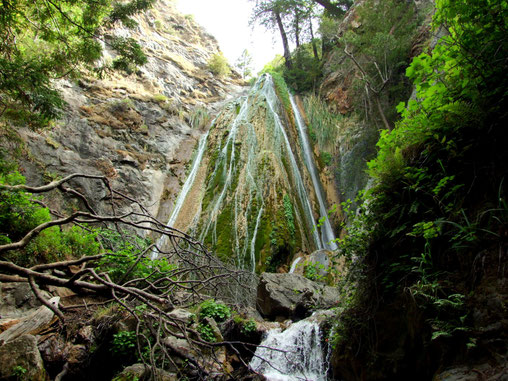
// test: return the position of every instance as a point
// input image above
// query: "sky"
(228, 22)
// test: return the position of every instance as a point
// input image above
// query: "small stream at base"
(295, 354)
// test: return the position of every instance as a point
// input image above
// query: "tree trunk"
(330, 7)
(313, 40)
(285, 43)
(382, 113)
(297, 28)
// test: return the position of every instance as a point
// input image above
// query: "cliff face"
(140, 129)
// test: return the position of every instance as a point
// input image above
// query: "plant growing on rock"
(218, 65)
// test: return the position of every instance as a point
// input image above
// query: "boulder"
(183, 315)
(141, 372)
(282, 296)
(17, 300)
(20, 359)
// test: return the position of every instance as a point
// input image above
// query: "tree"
(270, 14)
(380, 47)
(43, 40)
(335, 8)
(244, 64)
(118, 266)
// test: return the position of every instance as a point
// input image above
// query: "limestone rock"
(182, 315)
(17, 300)
(291, 295)
(21, 358)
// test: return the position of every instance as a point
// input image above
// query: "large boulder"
(141, 372)
(282, 296)
(20, 360)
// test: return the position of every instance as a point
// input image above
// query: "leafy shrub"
(54, 244)
(206, 332)
(218, 65)
(249, 326)
(124, 343)
(128, 257)
(18, 213)
(218, 311)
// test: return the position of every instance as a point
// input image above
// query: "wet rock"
(321, 260)
(20, 359)
(281, 296)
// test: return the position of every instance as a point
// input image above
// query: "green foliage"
(248, 326)
(381, 47)
(215, 310)
(206, 332)
(18, 212)
(447, 210)
(128, 257)
(305, 72)
(323, 124)
(43, 40)
(124, 344)
(199, 118)
(288, 212)
(311, 271)
(326, 158)
(218, 65)
(19, 372)
(54, 244)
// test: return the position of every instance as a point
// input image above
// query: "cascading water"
(327, 235)
(291, 355)
(271, 99)
(183, 193)
(249, 202)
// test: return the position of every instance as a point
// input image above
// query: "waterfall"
(327, 235)
(271, 99)
(240, 185)
(189, 181)
(183, 193)
(291, 355)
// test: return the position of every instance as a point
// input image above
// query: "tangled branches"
(143, 266)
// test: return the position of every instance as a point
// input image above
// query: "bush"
(128, 257)
(218, 65)
(217, 311)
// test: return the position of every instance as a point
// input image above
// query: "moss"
(52, 142)
(225, 234)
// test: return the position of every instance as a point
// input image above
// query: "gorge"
(341, 215)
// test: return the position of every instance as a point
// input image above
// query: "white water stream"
(292, 355)
(183, 193)
(327, 235)
(271, 100)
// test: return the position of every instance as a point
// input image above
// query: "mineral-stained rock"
(20, 359)
(291, 295)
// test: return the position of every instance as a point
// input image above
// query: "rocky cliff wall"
(139, 129)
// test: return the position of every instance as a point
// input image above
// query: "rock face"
(21, 360)
(282, 296)
(138, 130)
